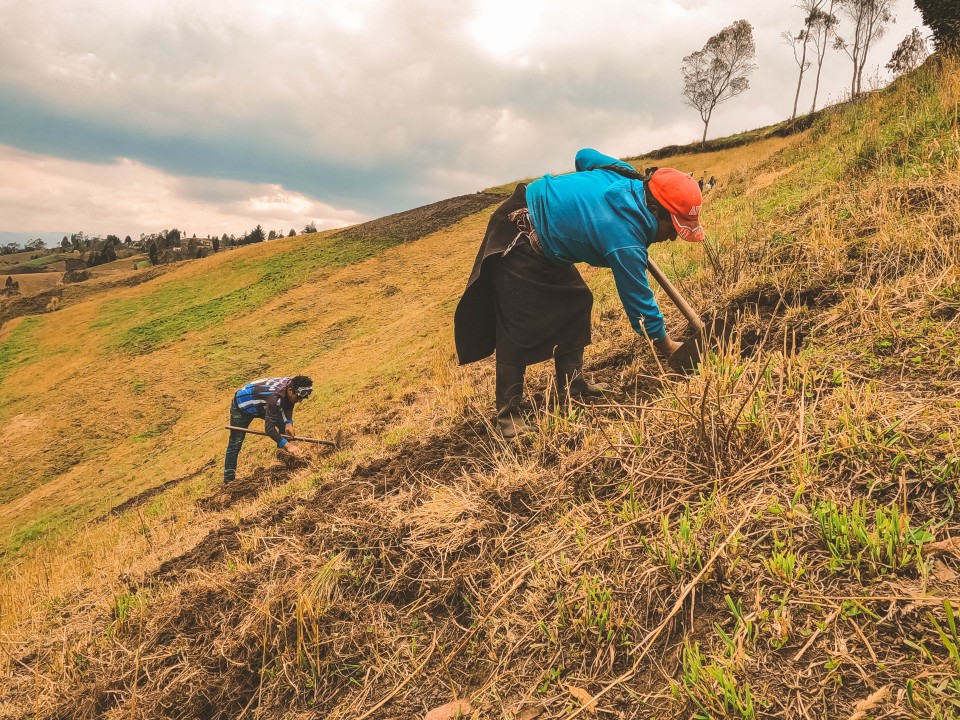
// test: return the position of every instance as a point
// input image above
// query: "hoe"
(313, 441)
(686, 359)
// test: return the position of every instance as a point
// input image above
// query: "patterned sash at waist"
(525, 229)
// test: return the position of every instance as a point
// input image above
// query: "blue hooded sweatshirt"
(601, 218)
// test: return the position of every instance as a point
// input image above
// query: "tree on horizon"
(943, 19)
(256, 235)
(870, 19)
(719, 71)
(818, 25)
(910, 53)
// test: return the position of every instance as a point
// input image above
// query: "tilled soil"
(414, 224)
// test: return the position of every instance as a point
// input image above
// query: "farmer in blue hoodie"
(525, 298)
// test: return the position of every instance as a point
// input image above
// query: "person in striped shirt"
(272, 399)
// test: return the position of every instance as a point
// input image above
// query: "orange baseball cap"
(680, 195)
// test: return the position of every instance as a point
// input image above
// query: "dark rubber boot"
(510, 422)
(570, 379)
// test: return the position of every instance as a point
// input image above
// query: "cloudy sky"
(216, 115)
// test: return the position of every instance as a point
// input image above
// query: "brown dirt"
(219, 542)
(141, 499)
(245, 488)
(441, 456)
(413, 224)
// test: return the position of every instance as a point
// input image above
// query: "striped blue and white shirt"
(267, 398)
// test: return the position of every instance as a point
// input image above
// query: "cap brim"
(688, 228)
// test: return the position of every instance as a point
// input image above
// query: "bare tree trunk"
(803, 60)
(816, 88)
(857, 60)
(706, 116)
(820, 56)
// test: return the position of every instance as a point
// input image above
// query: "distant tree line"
(161, 247)
(719, 71)
(12, 248)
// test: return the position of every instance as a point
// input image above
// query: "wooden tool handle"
(682, 305)
(291, 438)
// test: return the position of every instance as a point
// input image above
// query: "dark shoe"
(570, 379)
(510, 422)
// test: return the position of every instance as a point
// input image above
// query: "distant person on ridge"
(273, 400)
(525, 299)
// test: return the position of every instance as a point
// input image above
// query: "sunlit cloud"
(128, 198)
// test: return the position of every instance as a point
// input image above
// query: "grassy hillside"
(774, 536)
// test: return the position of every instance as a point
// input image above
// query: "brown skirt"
(520, 304)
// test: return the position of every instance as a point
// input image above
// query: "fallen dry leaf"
(450, 711)
(584, 698)
(529, 713)
(950, 545)
(943, 572)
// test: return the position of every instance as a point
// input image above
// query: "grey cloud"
(378, 105)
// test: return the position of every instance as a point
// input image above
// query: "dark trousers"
(238, 419)
(517, 302)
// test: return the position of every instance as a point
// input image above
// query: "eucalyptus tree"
(719, 71)
(910, 53)
(870, 19)
(800, 42)
(943, 19)
(819, 28)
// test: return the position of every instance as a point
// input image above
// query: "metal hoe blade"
(687, 358)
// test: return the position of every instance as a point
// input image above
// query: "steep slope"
(124, 386)
(775, 536)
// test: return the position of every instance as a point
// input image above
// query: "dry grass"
(772, 537)
(35, 282)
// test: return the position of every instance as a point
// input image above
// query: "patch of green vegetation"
(887, 544)
(157, 508)
(781, 129)
(507, 188)
(785, 197)
(27, 534)
(151, 432)
(395, 436)
(159, 428)
(230, 371)
(47, 527)
(169, 298)
(675, 265)
(339, 332)
(908, 134)
(274, 276)
(41, 261)
(20, 347)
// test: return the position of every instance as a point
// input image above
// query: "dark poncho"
(520, 304)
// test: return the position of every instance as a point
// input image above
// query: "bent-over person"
(525, 299)
(273, 400)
